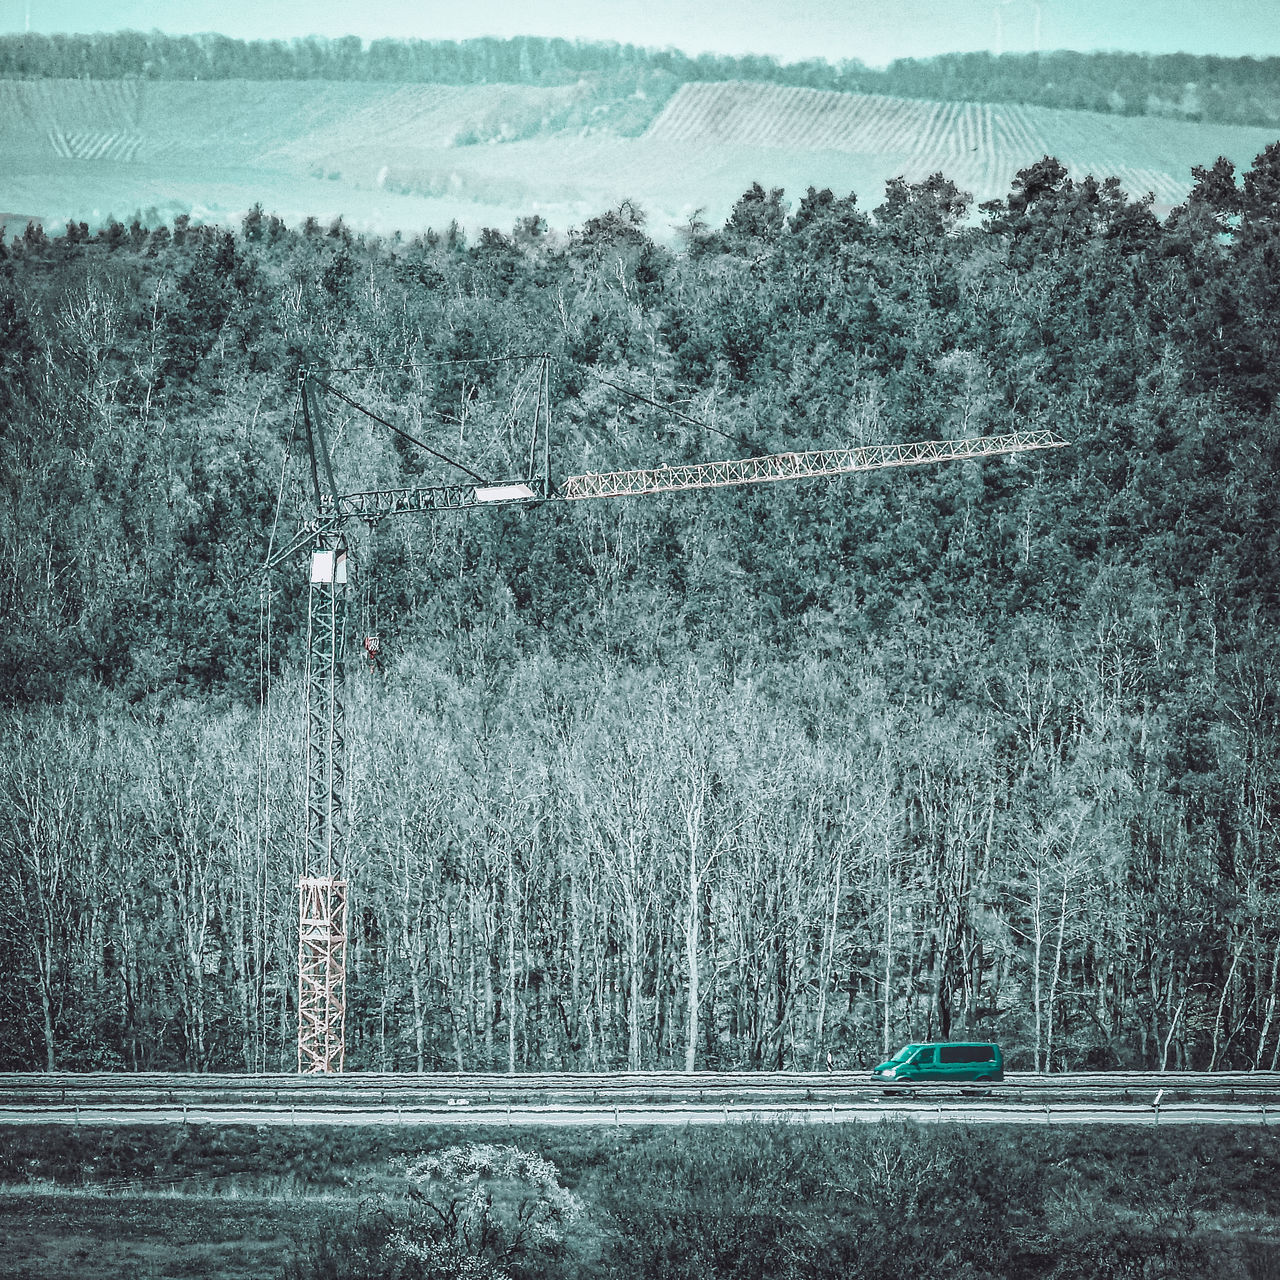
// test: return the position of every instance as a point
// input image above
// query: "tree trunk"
(1226, 987)
(633, 1002)
(1057, 969)
(888, 944)
(1271, 1009)
(824, 966)
(511, 966)
(46, 1003)
(691, 922)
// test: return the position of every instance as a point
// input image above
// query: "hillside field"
(404, 157)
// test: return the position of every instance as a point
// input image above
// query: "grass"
(52, 1235)
(772, 1201)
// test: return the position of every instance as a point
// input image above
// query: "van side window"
(958, 1053)
(925, 1055)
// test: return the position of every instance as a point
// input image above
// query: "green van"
(944, 1063)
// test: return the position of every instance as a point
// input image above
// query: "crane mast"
(322, 914)
(322, 889)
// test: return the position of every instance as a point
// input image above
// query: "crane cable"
(284, 463)
(391, 426)
(263, 780)
(675, 413)
(737, 439)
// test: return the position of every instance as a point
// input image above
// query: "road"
(630, 1098)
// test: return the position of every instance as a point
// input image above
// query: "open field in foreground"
(744, 1201)
(405, 157)
(88, 1236)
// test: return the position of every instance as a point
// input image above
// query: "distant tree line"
(705, 780)
(1178, 85)
(1185, 86)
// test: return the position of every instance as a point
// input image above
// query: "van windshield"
(904, 1053)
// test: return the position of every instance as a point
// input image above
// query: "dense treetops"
(1068, 305)
(1185, 86)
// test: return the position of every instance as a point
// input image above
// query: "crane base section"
(322, 973)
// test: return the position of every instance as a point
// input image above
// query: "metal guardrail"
(377, 1089)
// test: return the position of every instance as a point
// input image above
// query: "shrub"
(474, 1212)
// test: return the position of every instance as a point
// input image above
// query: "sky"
(790, 30)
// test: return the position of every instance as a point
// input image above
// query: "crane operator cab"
(945, 1063)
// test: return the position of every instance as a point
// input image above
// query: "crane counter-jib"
(698, 475)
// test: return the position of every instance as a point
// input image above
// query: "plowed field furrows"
(35, 112)
(407, 120)
(251, 122)
(96, 145)
(1014, 133)
(981, 146)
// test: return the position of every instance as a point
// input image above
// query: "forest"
(632, 83)
(723, 779)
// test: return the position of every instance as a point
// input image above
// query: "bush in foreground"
(475, 1212)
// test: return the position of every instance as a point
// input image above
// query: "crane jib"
(798, 466)
(695, 475)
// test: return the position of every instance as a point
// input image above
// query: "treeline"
(1243, 91)
(1178, 85)
(705, 780)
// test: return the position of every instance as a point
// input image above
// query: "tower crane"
(322, 885)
